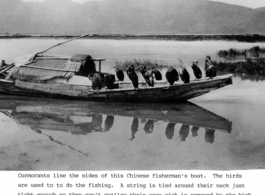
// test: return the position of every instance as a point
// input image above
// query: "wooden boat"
(82, 117)
(67, 77)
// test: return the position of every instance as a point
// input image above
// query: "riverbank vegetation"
(248, 61)
(233, 54)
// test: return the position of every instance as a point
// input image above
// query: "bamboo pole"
(3, 70)
(42, 68)
(62, 43)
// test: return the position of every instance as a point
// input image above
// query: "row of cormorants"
(171, 75)
(98, 79)
(147, 75)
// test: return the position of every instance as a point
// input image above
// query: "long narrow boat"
(67, 77)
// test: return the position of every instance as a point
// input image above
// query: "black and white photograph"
(132, 85)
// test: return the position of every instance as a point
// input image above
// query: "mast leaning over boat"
(62, 43)
(5, 69)
(81, 36)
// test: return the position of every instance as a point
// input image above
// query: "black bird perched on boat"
(196, 70)
(172, 75)
(208, 62)
(158, 75)
(211, 71)
(3, 64)
(148, 77)
(132, 76)
(184, 75)
(109, 82)
(120, 74)
(96, 80)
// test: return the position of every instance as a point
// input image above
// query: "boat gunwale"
(169, 87)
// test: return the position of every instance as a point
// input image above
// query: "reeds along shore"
(137, 63)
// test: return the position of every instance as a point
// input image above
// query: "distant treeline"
(241, 38)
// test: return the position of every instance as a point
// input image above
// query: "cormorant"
(132, 76)
(208, 62)
(96, 80)
(172, 75)
(211, 71)
(120, 75)
(149, 78)
(109, 82)
(196, 70)
(184, 75)
(158, 75)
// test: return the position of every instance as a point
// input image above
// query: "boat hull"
(159, 93)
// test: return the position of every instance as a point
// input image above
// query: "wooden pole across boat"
(43, 68)
(3, 70)
(62, 43)
(99, 60)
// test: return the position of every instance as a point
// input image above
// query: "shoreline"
(251, 38)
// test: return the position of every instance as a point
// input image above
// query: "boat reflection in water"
(78, 117)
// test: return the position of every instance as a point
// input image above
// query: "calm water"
(220, 130)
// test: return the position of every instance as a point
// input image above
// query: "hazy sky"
(247, 3)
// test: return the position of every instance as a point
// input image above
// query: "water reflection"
(149, 126)
(109, 122)
(253, 78)
(209, 135)
(184, 132)
(170, 130)
(134, 127)
(97, 122)
(83, 118)
(194, 131)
